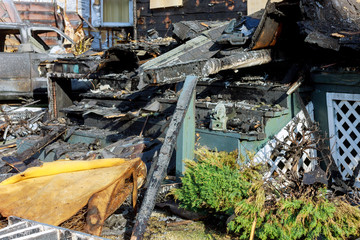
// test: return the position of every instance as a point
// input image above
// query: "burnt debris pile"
(132, 114)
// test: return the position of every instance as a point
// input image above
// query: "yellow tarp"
(55, 198)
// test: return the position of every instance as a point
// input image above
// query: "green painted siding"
(331, 82)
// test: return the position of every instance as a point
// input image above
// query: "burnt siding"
(162, 18)
(43, 13)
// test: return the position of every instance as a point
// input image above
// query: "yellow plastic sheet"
(56, 191)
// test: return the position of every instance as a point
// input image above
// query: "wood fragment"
(337, 35)
(175, 224)
(3, 125)
(252, 234)
(15, 163)
(25, 105)
(10, 145)
(204, 24)
(349, 33)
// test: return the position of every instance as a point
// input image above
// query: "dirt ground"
(165, 226)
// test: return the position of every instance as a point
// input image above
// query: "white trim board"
(344, 145)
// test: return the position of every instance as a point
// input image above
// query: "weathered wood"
(164, 158)
(43, 142)
(11, 10)
(15, 163)
(186, 139)
(332, 170)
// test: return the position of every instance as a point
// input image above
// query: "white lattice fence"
(344, 131)
(280, 163)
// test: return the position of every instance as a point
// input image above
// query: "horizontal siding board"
(165, 3)
(21, 6)
(29, 15)
(37, 16)
(45, 22)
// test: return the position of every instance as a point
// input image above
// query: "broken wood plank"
(175, 224)
(12, 11)
(15, 163)
(25, 105)
(186, 59)
(3, 124)
(165, 3)
(160, 167)
(43, 142)
(10, 145)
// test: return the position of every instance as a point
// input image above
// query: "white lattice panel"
(281, 164)
(344, 131)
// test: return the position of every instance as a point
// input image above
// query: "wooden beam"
(160, 167)
(186, 139)
(12, 11)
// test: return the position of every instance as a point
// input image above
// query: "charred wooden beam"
(186, 59)
(240, 60)
(164, 158)
(173, 73)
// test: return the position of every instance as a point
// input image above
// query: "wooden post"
(135, 20)
(59, 95)
(185, 145)
(164, 158)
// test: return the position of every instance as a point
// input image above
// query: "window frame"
(8, 33)
(119, 24)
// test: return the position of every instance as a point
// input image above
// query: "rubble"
(242, 82)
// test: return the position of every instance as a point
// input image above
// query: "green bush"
(216, 183)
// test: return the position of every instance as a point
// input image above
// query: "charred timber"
(164, 158)
(236, 61)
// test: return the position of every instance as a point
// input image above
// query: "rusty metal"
(267, 34)
(52, 101)
(268, 30)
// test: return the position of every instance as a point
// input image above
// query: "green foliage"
(214, 182)
(217, 183)
(304, 218)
